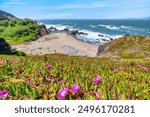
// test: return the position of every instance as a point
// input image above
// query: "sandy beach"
(58, 43)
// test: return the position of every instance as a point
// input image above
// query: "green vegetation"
(18, 53)
(18, 31)
(44, 77)
(6, 49)
(27, 78)
(129, 47)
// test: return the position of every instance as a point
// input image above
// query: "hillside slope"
(41, 77)
(15, 31)
(126, 47)
(6, 16)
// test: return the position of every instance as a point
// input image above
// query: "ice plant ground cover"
(63, 77)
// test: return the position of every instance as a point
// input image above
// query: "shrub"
(18, 31)
(18, 53)
(4, 23)
(12, 23)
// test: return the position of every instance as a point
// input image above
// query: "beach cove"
(60, 43)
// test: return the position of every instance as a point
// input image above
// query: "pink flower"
(1, 62)
(139, 66)
(97, 79)
(75, 88)
(48, 66)
(145, 68)
(120, 68)
(115, 71)
(62, 93)
(97, 96)
(3, 93)
(14, 62)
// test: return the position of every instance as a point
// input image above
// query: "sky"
(77, 9)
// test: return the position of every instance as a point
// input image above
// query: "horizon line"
(98, 19)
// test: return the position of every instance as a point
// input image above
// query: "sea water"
(108, 28)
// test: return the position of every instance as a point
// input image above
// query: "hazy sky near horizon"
(77, 9)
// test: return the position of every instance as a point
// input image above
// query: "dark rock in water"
(104, 39)
(82, 33)
(127, 35)
(52, 29)
(74, 32)
(101, 35)
(107, 36)
(111, 39)
(66, 29)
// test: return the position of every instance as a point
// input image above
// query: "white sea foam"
(94, 36)
(122, 26)
(92, 26)
(117, 36)
(112, 27)
(40, 23)
(91, 35)
(59, 26)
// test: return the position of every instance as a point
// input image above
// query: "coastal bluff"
(126, 47)
(15, 30)
(7, 16)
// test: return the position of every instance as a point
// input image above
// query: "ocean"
(107, 28)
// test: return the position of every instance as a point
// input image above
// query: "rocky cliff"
(6, 16)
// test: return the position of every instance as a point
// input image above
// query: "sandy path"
(58, 43)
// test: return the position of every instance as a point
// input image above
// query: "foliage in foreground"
(47, 77)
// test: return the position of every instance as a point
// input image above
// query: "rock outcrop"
(7, 16)
(66, 30)
(101, 48)
(42, 30)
